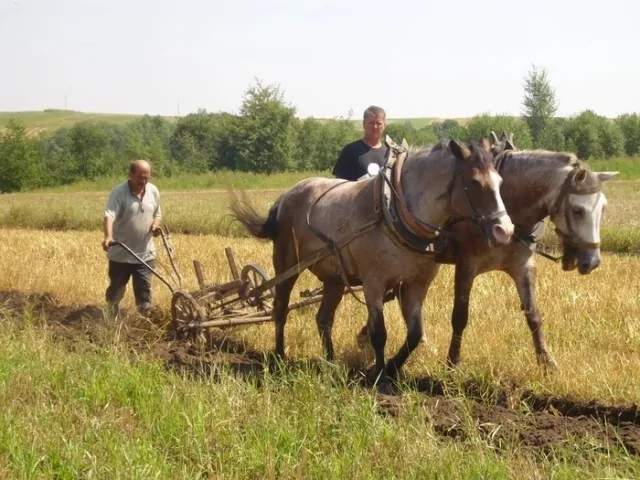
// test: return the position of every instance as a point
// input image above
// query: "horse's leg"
(363, 335)
(525, 279)
(411, 298)
(374, 296)
(331, 296)
(464, 278)
(280, 310)
(283, 257)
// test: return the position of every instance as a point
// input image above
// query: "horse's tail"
(256, 224)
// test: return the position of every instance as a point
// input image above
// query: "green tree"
(89, 146)
(482, 125)
(265, 137)
(449, 129)
(629, 124)
(552, 136)
(148, 137)
(192, 143)
(539, 102)
(398, 131)
(582, 135)
(611, 138)
(19, 159)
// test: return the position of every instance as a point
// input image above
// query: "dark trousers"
(119, 274)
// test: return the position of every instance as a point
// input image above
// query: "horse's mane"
(538, 159)
(535, 165)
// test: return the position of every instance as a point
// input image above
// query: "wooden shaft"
(197, 266)
(233, 266)
(231, 322)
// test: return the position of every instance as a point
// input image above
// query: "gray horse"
(435, 186)
(537, 184)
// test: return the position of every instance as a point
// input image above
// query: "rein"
(335, 247)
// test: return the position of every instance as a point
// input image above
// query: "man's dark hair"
(374, 111)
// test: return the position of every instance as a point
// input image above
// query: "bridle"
(484, 222)
(410, 230)
(571, 187)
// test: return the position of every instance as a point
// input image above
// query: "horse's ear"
(604, 176)
(459, 151)
(581, 175)
(484, 143)
(508, 142)
(494, 138)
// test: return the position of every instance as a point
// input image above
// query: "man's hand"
(155, 230)
(106, 243)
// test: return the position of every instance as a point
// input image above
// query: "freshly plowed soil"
(512, 415)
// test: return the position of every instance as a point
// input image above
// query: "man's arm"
(110, 212)
(107, 228)
(157, 217)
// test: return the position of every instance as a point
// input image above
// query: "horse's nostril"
(500, 234)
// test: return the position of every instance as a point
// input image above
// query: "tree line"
(266, 136)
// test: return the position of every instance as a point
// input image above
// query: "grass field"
(84, 404)
(205, 211)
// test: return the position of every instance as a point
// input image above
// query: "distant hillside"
(51, 119)
(420, 122)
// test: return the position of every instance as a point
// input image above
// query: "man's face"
(373, 126)
(140, 176)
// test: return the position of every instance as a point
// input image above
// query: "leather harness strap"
(406, 216)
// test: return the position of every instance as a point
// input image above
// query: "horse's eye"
(577, 212)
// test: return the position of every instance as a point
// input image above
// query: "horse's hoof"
(452, 362)
(375, 376)
(549, 365)
(386, 387)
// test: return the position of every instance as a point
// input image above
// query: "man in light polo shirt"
(132, 217)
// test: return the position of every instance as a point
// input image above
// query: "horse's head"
(475, 192)
(577, 215)
(499, 145)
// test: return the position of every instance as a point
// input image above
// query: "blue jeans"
(119, 274)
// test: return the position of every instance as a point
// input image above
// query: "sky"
(331, 58)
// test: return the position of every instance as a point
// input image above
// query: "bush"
(19, 159)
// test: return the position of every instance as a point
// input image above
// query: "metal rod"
(164, 234)
(135, 255)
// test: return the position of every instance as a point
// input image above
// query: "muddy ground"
(506, 416)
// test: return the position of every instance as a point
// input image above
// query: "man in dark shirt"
(356, 157)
